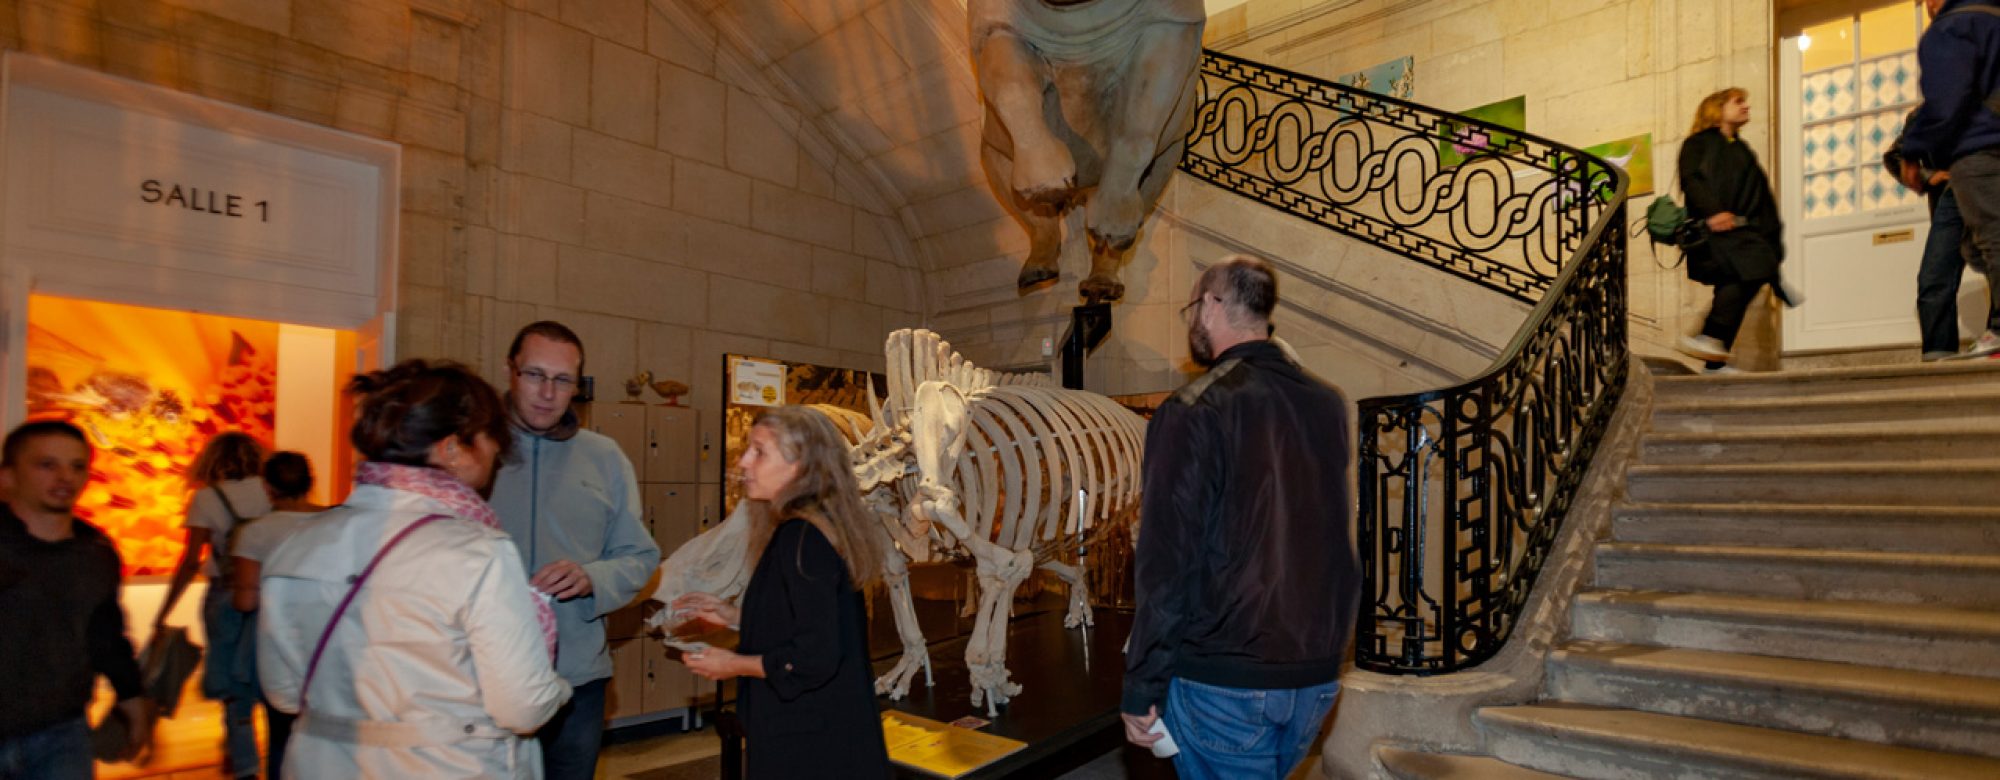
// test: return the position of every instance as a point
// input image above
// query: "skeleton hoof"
(1101, 287)
(1035, 274)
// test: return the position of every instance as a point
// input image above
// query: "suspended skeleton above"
(1006, 469)
(1090, 102)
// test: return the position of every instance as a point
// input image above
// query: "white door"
(1854, 236)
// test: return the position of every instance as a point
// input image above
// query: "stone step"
(1831, 575)
(1795, 384)
(1916, 442)
(1943, 712)
(1943, 483)
(1400, 764)
(1837, 526)
(1903, 636)
(1877, 410)
(1598, 742)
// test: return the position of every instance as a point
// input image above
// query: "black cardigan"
(1721, 174)
(814, 713)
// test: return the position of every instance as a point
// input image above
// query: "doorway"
(1854, 235)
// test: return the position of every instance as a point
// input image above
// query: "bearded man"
(1246, 577)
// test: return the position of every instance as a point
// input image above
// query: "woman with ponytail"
(399, 625)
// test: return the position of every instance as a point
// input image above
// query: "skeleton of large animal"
(1006, 469)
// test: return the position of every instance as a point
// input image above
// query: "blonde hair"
(1709, 113)
(231, 455)
(824, 493)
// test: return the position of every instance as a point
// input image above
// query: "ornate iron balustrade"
(1498, 458)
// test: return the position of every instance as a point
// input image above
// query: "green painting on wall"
(1461, 142)
(1635, 156)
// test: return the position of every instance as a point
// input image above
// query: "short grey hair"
(1247, 286)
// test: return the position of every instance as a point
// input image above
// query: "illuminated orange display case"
(150, 387)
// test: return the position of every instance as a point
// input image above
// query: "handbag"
(169, 660)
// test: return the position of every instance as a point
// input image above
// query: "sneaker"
(1704, 347)
(1935, 356)
(1988, 344)
(1722, 370)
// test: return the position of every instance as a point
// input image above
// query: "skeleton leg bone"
(915, 654)
(1001, 572)
(1079, 594)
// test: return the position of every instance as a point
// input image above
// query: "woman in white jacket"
(399, 625)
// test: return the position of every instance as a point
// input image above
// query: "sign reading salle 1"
(193, 198)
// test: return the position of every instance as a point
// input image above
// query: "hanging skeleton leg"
(897, 682)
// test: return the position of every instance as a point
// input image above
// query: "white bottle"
(1165, 748)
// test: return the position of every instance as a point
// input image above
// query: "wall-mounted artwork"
(1635, 156)
(1395, 78)
(150, 387)
(1464, 142)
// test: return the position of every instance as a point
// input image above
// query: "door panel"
(626, 425)
(671, 449)
(625, 697)
(1861, 289)
(669, 684)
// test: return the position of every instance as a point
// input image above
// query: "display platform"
(1067, 711)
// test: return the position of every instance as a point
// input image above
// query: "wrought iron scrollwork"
(1486, 203)
(1499, 458)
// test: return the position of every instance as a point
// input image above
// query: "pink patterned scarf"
(462, 502)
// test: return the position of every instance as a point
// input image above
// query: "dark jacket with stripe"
(1246, 574)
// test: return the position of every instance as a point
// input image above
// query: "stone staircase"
(1802, 581)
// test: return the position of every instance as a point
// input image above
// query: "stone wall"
(608, 163)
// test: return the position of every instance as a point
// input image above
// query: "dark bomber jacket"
(1246, 574)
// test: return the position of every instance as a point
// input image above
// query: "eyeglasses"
(563, 383)
(1187, 312)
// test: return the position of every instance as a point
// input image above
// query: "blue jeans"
(1975, 181)
(571, 738)
(1243, 733)
(59, 752)
(229, 674)
(1938, 275)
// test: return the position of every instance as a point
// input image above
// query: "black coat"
(1719, 174)
(814, 713)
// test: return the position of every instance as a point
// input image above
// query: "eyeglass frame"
(564, 383)
(1188, 311)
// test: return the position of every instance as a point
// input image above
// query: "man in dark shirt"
(1246, 577)
(60, 622)
(1957, 128)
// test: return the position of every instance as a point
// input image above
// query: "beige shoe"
(1704, 347)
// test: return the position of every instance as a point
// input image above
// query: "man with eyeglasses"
(571, 501)
(1245, 576)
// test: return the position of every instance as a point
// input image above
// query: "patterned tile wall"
(1843, 152)
(1889, 81)
(1829, 93)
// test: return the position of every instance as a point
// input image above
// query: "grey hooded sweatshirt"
(570, 494)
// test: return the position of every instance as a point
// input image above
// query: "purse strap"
(312, 666)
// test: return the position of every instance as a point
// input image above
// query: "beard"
(1200, 347)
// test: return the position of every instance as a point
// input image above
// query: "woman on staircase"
(1729, 195)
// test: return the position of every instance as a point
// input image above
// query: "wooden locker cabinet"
(663, 443)
(672, 449)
